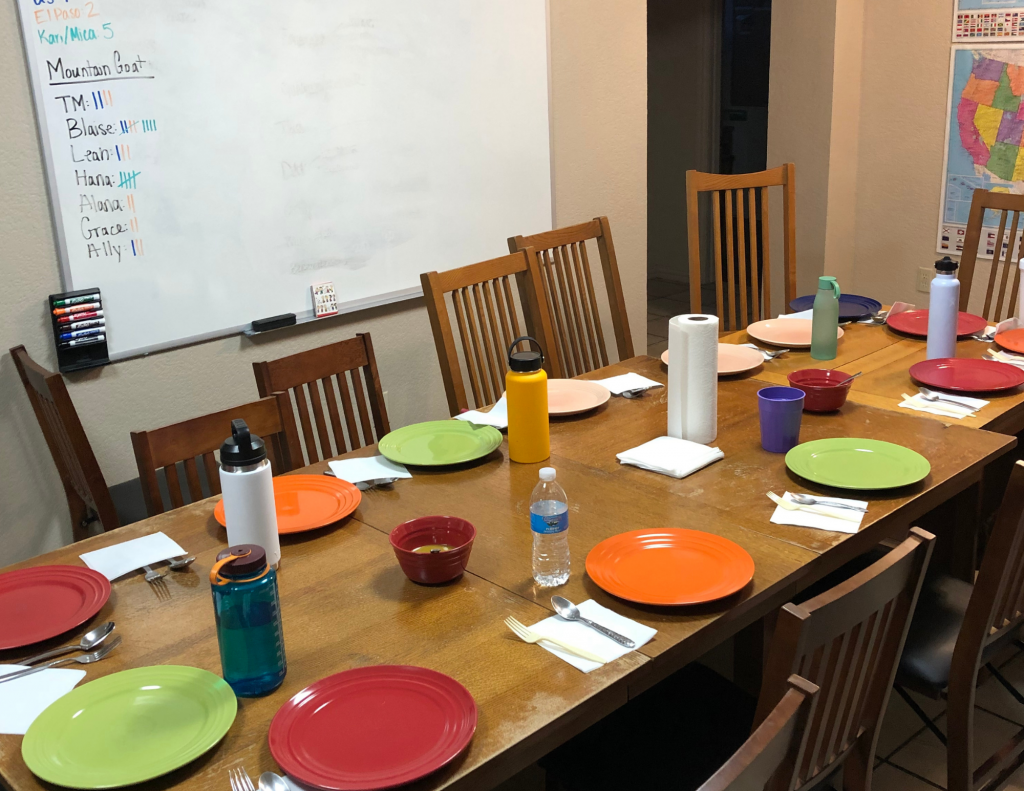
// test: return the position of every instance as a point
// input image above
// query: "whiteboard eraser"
(274, 322)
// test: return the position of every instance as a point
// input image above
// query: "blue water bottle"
(248, 612)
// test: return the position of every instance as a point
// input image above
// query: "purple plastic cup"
(781, 409)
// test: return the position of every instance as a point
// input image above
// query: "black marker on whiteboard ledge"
(84, 341)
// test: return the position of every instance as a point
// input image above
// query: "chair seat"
(928, 652)
(674, 736)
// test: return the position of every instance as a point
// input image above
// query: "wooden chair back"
(342, 374)
(194, 442)
(571, 298)
(847, 641)
(84, 486)
(486, 314)
(743, 273)
(994, 614)
(775, 749)
(1004, 262)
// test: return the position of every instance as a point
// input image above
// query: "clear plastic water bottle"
(549, 521)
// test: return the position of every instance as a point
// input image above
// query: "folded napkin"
(803, 314)
(497, 417)
(370, 470)
(803, 518)
(1006, 357)
(671, 456)
(631, 381)
(943, 408)
(118, 560)
(23, 700)
(995, 329)
(589, 639)
(767, 355)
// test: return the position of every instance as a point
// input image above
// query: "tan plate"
(732, 359)
(572, 396)
(794, 333)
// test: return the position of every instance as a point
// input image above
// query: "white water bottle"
(943, 310)
(549, 523)
(248, 487)
(1020, 294)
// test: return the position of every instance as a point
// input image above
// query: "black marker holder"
(78, 357)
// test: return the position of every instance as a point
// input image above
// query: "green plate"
(847, 463)
(439, 442)
(129, 727)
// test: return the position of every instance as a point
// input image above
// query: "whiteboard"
(209, 161)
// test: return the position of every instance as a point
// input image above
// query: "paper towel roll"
(693, 378)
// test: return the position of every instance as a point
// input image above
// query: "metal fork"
(156, 579)
(84, 659)
(239, 780)
(881, 317)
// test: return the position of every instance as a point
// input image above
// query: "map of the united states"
(991, 118)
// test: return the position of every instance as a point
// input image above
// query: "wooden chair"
(746, 268)
(193, 442)
(845, 641)
(957, 629)
(571, 298)
(488, 322)
(1005, 204)
(774, 751)
(88, 497)
(335, 369)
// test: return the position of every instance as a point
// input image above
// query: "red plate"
(967, 376)
(915, 322)
(372, 727)
(1011, 341)
(307, 502)
(670, 566)
(45, 601)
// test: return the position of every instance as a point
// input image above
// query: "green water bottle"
(825, 327)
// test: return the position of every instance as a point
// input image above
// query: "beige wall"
(599, 133)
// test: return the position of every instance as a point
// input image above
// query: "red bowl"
(432, 568)
(822, 389)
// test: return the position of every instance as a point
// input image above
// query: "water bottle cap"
(249, 559)
(547, 473)
(525, 362)
(947, 265)
(827, 282)
(242, 448)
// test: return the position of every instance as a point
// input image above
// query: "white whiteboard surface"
(208, 161)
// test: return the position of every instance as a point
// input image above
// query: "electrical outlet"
(924, 278)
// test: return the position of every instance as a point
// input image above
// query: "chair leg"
(920, 713)
(857, 768)
(1006, 684)
(960, 728)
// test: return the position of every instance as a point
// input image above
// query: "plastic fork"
(527, 635)
(239, 780)
(783, 503)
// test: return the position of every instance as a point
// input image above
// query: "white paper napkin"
(970, 405)
(589, 639)
(23, 700)
(1003, 326)
(803, 314)
(820, 521)
(1002, 356)
(631, 381)
(369, 471)
(118, 560)
(670, 456)
(497, 417)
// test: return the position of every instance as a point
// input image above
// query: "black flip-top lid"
(242, 448)
(527, 361)
(947, 264)
(250, 559)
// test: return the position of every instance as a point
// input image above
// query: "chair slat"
(337, 429)
(561, 330)
(572, 297)
(755, 291)
(490, 343)
(598, 329)
(730, 257)
(173, 485)
(995, 266)
(589, 306)
(213, 472)
(304, 423)
(318, 417)
(364, 415)
(499, 287)
(766, 270)
(716, 236)
(741, 258)
(469, 345)
(348, 405)
(562, 295)
(1008, 259)
(195, 488)
(496, 329)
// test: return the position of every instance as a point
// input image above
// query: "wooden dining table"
(346, 603)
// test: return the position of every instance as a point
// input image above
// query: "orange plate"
(306, 502)
(1012, 340)
(669, 565)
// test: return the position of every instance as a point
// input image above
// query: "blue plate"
(851, 307)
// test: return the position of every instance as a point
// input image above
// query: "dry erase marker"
(84, 325)
(84, 341)
(77, 308)
(75, 300)
(67, 336)
(92, 314)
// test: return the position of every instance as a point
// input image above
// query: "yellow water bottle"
(526, 388)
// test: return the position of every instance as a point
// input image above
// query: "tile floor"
(665, 299)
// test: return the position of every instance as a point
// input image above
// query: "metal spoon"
(85, 659)
(272, 782)
(635, 393)
(178, 564)
(88, 642)
(806, 499)
(570, 612)
(932, 397)
(772, 355)
(850, 379)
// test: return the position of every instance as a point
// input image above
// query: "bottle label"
(549, 524)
